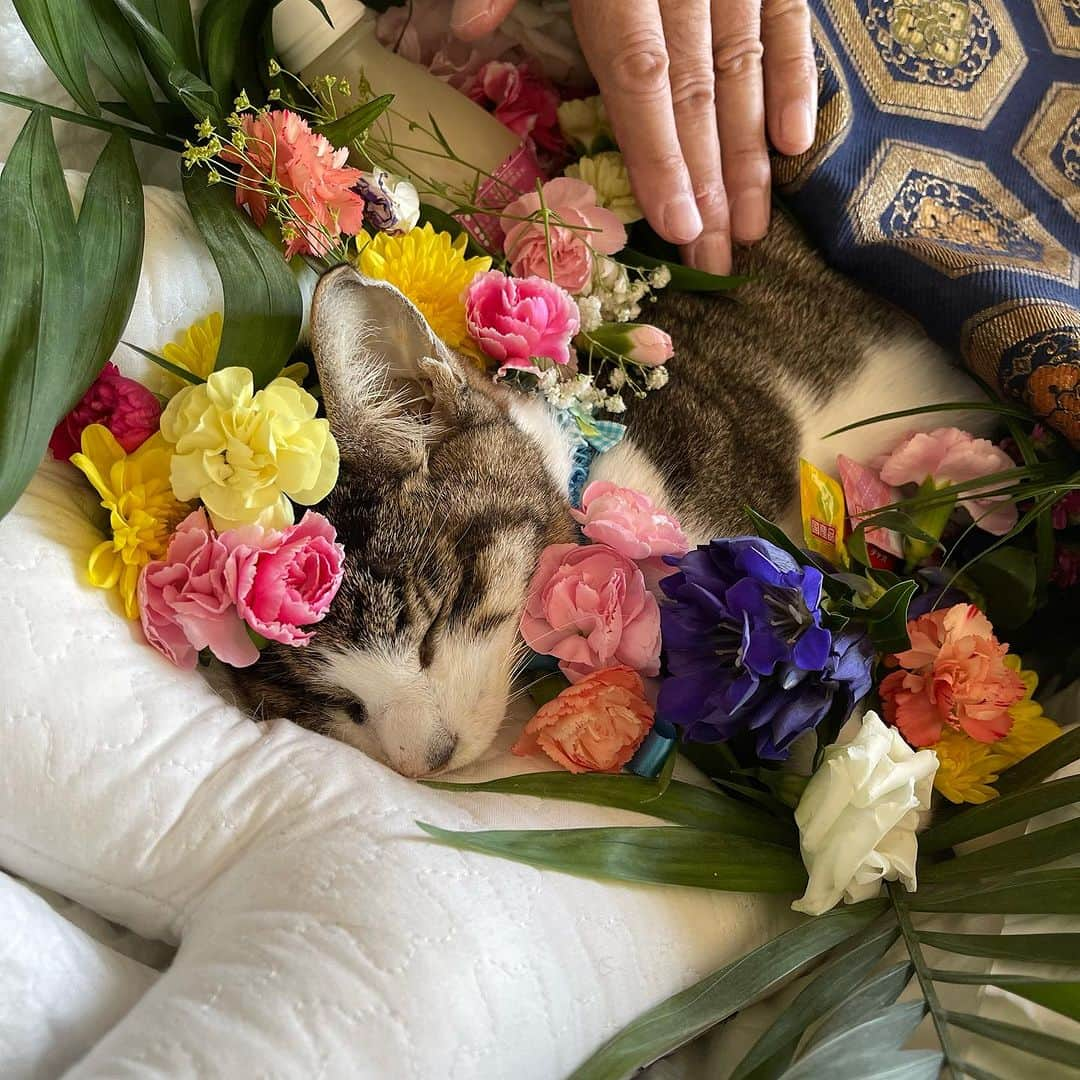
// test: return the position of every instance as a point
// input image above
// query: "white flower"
(617, 379)
(589, 313)
(858, 816)
(584, 121)
(660, 277)
(614, 404)
(392, 204)
(657, 378)
(607, 174)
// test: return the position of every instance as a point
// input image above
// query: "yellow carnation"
(143, 511)
(431, 270)
(607, 174)
(243, 452)
(966, 768)
(195, 349)
(1031, 730)
(584, 121)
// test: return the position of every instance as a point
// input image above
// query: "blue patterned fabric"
(945, 175)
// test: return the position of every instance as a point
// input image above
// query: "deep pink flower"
(184, 600)
(124, 406)
(523, 101)
(952, 456)
(589, 606)
(1066, 572)
(1066, 510)
(865, 491)
(283, 581)
(576, 228)
(517, 319)
(280, 145)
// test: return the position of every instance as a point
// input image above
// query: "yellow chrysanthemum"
(1031, 730)
(143, 511)
(431, 270)
(246, 454)
(966, 768)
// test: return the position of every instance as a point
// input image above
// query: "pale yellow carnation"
(607, 174)
(584, 122)
(247, 453)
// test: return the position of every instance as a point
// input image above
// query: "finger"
(471, 19)
(624, 45)
(689, 45)
(790, 75)
(740, 110)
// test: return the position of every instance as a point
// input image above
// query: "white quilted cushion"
(320, 933)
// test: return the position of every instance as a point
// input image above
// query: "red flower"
(524, 102)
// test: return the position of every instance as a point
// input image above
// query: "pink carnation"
(124, 406)
(282, 581)
(523, 101)
(310, 169)
(185, 603)
(517, 319)
(951, 456)
(629, 522)
(590, 607)
(577, 227)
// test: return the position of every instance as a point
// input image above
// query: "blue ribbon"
(658, 746)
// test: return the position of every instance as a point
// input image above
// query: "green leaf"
(167, 365)
(112, 48)
(222, 24)
(40, 302)
(683, 278)
(695, 1010)
(1061, 997)
(869, 998)
(1034, 1042)
(831, 986)
(53, 26)
(263, 307)
(1007, 578)
(1045, 892)
(110, 232)
(888, 618)
(345, 129)
(179, 81)
(945, 406)
(662, 856)
(767, 530)
(1064, 750)
(441, 221)
(873, 1064)
(684, 804)
(1031, 948)
(1022, 853)
(173, 19)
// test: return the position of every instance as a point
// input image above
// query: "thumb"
(472, 19)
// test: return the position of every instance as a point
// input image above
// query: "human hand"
(690, 86)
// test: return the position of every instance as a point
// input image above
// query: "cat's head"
(443, 506)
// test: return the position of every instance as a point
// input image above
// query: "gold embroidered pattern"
(1050, 146)
(833, 119)
(1061, 21)
(954, 215)
(952, 61)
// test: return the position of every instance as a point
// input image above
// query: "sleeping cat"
(451, 485)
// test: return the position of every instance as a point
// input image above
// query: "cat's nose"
(441, 751)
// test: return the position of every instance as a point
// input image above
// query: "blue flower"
(747, 651)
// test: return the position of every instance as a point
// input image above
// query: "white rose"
(584, 121)
(858, 815)
(607, 174)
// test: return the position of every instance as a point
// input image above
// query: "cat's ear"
(386, 378)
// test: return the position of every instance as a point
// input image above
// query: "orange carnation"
(954, 674)
(594, 725)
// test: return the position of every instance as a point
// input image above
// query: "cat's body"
(451, 487)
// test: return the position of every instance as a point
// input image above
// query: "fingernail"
(750, 215)
(682, 222)
(797, 123)
(711, 252)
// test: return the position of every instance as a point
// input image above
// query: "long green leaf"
(684, 804)
(173, 19)
(110, 234)
(39, 303)
(684, 278)
(263, 307)
(111, 46)
(1022, 853)
(831, 986)
(944, 406)
(1031, 948)
(664, 855)
(353, 125)
(1034, 1042)
(221, 25)
(688, 1014)
(873, 995)
(875, 1065)
(167, 365)
(53, 25)
(1045, 892)
(988, 817)
(1061, 997)
(1064, 750)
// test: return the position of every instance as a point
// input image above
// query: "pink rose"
(629, 522)
(517, 319)
(185, 603)
(282, 581)
(590, 607)
(524, 102)
(952, 456)
(124, 406)
(577, 227)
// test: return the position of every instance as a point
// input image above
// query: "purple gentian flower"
(747, 650)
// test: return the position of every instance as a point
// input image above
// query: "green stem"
(166, 142)
(923, 974)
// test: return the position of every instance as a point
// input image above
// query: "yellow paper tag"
(822, 500)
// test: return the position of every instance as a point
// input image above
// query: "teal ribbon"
(651, 755)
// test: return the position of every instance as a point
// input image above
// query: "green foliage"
(113, 50)
(354, 125)
(683, 278)
(54, 27)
